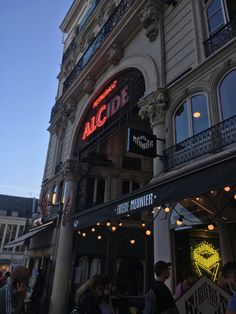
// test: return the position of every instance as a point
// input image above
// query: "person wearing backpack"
(159, 299)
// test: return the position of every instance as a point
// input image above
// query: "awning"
(5, 261)
(187, 185)
(21, 240)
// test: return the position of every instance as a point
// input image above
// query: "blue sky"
(30, 57)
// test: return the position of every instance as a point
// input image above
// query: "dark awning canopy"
(21, 240)
(187, 185)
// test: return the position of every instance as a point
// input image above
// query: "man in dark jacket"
(159, 298)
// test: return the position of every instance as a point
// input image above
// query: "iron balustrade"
(220, 38)
(212, 140)
(98, 41)
(73, 44)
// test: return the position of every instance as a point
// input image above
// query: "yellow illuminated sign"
(206, 257)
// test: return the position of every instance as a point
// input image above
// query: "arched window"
(227, 95)
(191, 117)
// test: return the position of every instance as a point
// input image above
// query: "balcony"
(98, 41)
(79, 28)
(220, 38)
(212, 140)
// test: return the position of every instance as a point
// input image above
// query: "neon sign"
(104, 111)
(207, 258)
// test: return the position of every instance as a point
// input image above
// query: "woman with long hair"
(89, 296)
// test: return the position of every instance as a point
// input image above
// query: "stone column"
(64, 252)
(225, 243)
(154, 108)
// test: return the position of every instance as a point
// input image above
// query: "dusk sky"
(30, 57)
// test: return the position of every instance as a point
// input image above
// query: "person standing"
(228, 272)
(89, 296)
(12, 295)
(189, 278)
(159, 298)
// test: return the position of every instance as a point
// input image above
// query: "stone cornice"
(150, 17)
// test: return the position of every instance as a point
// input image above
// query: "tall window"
(227, 95)
(129, 186)
(215, 15)
(95, 191)
(191, 117)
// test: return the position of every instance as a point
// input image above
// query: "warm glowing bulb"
(108, 223)
(99, 237)
(148, 232)
(167, 209)
(197, 198)
(227, 188)
(212, 192)
(93, 229)
(113, 228)
(128, 215)
(79, 232)
(196, 114)
(211, 227)
(235, 196)
(120, 224)
(179, 222)
(98, 223)
(84, 234)
(143, 224)
(132, 241)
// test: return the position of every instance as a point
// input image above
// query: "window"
(3, 212)
(191, 117)
(95, 191)
(129, 186)
(227, 95)
(215, 15)
(15, 214)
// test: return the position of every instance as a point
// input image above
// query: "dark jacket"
(88, 304)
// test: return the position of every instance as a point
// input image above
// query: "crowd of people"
(94, 297)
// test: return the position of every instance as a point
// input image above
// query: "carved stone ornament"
(149, 17)
(154, 107)
(88, 84)
(115, 53)
(61, 124)
(70, 110)
(69, 169)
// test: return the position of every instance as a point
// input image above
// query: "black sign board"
(141, 143)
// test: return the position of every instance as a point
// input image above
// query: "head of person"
(7, 274)
(189, 277)
(96, 284)
(20, 274)
(162, 270)
(228, 272)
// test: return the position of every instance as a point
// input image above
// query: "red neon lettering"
(104, 94)
(87, 131)
(100, 122)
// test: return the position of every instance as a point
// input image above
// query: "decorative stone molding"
(69, 169)
(154, 107)
(90, 38)
(61, 124)
(115, 53)
(150, 17)
(69, 110)
(99, 17)
(110, 7)
(88, 84)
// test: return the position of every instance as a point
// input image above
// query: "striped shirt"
(7, 299)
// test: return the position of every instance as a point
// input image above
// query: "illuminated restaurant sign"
(143, 201)
(103, 110)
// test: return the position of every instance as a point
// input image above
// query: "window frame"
(189, 111)
(225, 13)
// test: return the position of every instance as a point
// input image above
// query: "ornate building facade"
(164, 68)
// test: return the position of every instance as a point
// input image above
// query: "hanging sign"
(141, 143)
(203, 297)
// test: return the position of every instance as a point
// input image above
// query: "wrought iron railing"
(209, 141)
(73, 43)
(220, 38)
(102, 35)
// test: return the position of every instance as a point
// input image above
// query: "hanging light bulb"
(120, 224)
(98, 223)
(79, 232)
(108, 223)
(166, 209)
(235, 196)
(84, 234)
(99, 237)
(211, 226)
(179, 221)
(148, 232)
(128, 215)
(132, 241)
(113, 228)
(227, 188)
(143, 224)
(197, 198)
(93, 229)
